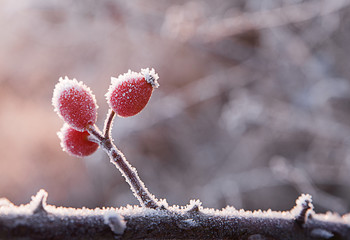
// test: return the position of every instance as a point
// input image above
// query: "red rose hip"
(129, 93)
(75, 103)
(75, 142)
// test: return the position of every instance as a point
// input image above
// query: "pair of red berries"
(76, 105)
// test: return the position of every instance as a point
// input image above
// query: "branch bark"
(38, 220)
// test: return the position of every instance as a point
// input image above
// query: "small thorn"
(304, 207)
(38, 202)
(194, 206)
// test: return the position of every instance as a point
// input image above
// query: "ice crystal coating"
(151, 76)
(303, 206)
(5, 202)
(75, 103)
(75, 142)
(38, 202)
(194, 206)
(129, 93)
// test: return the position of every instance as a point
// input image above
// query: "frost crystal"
(151, 76)
(303, 202)
(5, 202)
(194, 206)
(303, 208)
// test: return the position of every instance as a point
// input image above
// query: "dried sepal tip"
(150, 76)
(75, 103)
(130, 92)
(75, 142)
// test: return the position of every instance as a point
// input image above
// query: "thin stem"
(138, 188)
(108, 123)
(96, 134)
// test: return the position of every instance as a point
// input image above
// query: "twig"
(37, 220)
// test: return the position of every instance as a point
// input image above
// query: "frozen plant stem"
(109, 121)
(139, 189)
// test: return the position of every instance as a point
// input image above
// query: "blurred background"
(253, 107)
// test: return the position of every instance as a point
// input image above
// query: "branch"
(138, 188)
(37, 220)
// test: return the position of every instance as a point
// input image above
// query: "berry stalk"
(108, 123)
(138, 188)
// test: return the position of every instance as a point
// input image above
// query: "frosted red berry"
(129, 93)
(75, 103)
(75, 142)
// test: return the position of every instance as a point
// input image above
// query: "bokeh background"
(253, 108)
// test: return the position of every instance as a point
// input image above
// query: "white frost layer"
(304, 201)
(66, 83)
(5, 202)
(61, 134)
(150, 76)
(125, 77)
(113, 214)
